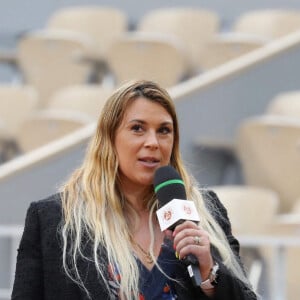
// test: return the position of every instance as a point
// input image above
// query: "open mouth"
(149, 160)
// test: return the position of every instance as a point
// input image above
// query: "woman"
(99, 237)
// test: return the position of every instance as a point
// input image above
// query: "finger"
(197, 240)
(185, 233)
(194, 243)
(188, 241)
(184, 225)
(190, 232)
(188, 246)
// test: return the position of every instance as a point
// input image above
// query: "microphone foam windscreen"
(168, 185)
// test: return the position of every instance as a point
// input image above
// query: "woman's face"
(144, 142)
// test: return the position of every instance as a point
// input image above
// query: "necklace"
(147, 254)
(148, 258)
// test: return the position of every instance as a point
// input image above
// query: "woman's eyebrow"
(144, 122)
(137, 121)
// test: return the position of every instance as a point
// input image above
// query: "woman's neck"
(138, 199)
(141, 238)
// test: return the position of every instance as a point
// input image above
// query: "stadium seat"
(287, 103)
(268, 23)
(16, 103)
(192, 26)
(224, 47)
(102, 24)
(84, 98)
(268, 148)
(51, 60)
(46, 126)
(244, 204)
(147, 56)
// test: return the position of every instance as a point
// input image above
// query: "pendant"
(147, 255)
(149, 259)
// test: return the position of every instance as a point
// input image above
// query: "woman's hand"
(189, 238)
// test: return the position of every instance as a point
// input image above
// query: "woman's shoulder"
(51, 201)
(211, 199)
(42, 219)
(47, 207)
(215, 206)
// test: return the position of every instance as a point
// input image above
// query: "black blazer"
(40, 275)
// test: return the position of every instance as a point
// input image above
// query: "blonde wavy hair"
(94, 209)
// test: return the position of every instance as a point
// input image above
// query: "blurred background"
(233, 70)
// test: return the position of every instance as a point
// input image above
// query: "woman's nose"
(151, 140)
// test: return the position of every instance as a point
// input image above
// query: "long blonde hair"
(93, 206)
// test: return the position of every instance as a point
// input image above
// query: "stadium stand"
(286, 103)
(296, 208)
(208, 105)
(192, 26)
(16, 103)
(50, 60)
(268, 148)
(268, 23)
(212, 104)
(102, 24)
(88, 98)
(239, 200)
(151, 56)
(242, 203)
(8, 145)
(224, 47)
(45, 126)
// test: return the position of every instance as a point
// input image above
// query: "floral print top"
(154, 285)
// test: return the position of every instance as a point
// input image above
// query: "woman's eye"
(137, 128)
(165, 130)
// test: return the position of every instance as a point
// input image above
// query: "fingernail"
(177, 255)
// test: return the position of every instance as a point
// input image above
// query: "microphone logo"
(187, 209)
(168, 215)
(175, 211)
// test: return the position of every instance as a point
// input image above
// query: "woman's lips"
(149, 161)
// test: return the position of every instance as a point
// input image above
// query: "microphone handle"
(191, 260)
(193, 269)
(195, 275)
(192, 264)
